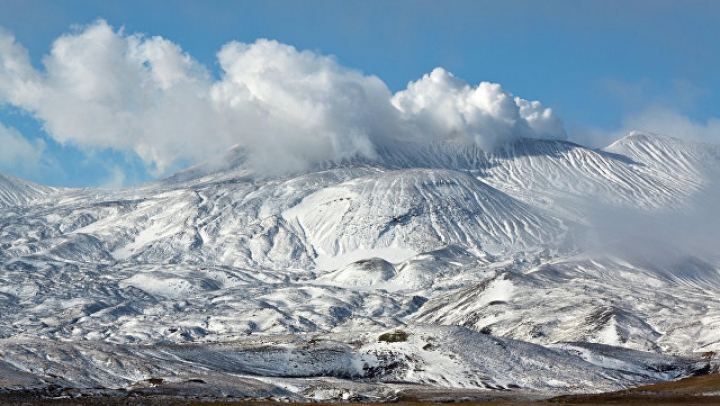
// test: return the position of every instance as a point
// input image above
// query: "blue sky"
(604, 67)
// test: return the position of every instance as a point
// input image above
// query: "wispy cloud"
(19, 153)
(662, 120)
(657, 120)
(678, 94)
(654, 108)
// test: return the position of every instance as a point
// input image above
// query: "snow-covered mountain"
(18, 192)
(544, 266)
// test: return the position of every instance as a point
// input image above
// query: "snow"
(393, 255)
(283, 284)
(18, 192)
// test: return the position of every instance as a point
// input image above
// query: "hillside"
(543, 267)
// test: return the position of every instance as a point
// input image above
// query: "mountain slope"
(532, 247)
(595, 300)
(18, 192)
(421, 210)
(673, 160)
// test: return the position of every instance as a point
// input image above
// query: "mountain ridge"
(17, 192)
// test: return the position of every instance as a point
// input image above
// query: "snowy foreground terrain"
(543, 268)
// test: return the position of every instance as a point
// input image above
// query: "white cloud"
(298, 106)
(19, 80)
(17, 152)
(103, 88)
(542, 121)
(441, 106)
